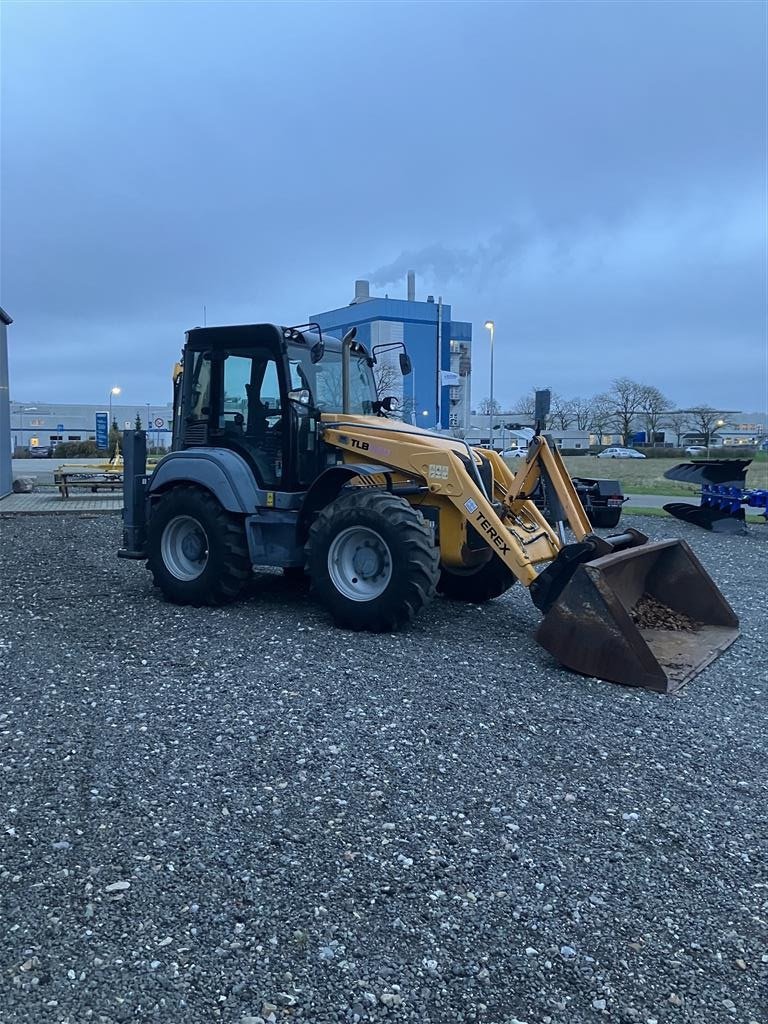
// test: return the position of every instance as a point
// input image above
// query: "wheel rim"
(359, 563)
(184, 547)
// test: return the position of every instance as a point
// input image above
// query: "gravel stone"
(338, 827)
(117, 887)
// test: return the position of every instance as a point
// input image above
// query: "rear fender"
(224, 473)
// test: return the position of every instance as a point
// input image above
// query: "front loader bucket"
(648, 616)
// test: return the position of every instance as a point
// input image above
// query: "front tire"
(476, 586)
(372, 561)
(197, 551)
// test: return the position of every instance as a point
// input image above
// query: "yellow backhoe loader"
(284, 455)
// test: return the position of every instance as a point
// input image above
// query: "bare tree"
(705, 420)
(487, 407)
(560, 412)
(625, 400)
(600, 416)
(390, 381)
(581, 408)
(678, 420)
(526, 405)
(654, 406)
(388, 378)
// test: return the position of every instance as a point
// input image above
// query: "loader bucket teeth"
(649, 616)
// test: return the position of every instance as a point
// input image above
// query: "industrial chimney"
(411, 286)
(362, 291)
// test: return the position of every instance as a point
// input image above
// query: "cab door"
(251, 411)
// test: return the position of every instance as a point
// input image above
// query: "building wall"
(49, 423)
(5, 421)
(415, 324)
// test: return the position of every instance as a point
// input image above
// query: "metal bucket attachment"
(649, 616)
(717, 520)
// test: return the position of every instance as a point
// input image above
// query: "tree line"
(626, 407)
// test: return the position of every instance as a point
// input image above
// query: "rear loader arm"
(544, 462)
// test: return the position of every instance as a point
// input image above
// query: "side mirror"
(301, 396)
(317, 351)
(405, 364)
(390, 404)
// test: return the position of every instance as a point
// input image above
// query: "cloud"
(595, 183)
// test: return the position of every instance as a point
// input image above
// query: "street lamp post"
(112, 391)
(718, 424)
(489, 326)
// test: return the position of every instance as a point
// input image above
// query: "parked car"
(620, 453)
(696, 449)
(514, 453)
(41, 452)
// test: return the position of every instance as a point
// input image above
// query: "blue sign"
(59, 427)
(102, 430)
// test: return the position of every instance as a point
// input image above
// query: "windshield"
(323, 381)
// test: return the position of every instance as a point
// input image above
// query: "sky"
(592, 177)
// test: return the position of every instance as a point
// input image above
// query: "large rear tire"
(372, 561)
(197, 551)
(476, 586)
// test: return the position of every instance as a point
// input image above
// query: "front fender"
(224, 473)
(327, 486)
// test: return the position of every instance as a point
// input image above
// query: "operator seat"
(264, 444)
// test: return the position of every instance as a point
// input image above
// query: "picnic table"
(106, 476)
(91, 478)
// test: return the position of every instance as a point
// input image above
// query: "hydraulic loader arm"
(509, 522)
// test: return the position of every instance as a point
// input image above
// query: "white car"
(514, 453)
(696, 449)
(620, 453)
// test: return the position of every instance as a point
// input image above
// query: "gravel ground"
(243, 814)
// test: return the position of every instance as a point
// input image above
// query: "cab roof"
(271, 336)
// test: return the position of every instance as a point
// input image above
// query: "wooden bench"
(87, 479)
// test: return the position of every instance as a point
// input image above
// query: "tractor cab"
(260, 390)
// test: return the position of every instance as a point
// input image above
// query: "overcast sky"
(592, 177)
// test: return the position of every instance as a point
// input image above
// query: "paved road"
(659, 500)
(47, 465)
(43, 469)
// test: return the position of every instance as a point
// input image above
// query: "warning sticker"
(470, 505)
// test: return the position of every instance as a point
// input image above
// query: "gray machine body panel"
(275, 521)
(222, 472)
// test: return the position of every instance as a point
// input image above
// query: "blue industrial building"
(435, 342)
